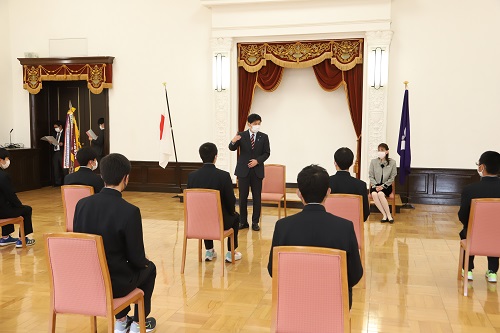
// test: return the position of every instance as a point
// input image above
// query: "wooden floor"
(410, 271)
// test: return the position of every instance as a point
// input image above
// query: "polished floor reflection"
(411, 283)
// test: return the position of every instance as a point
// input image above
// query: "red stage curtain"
(330, 78)
(268, 78)
(246, 88)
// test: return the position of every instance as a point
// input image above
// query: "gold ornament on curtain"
(344, 54)
(96, 76)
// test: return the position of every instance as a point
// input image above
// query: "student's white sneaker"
(210, 255)
(237, 256)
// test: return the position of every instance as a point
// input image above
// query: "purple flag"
(404, 150)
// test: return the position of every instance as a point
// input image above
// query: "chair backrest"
(71, 194)
(203, 214)
(274, 179)
(310, 291)
(78, 274)
(349, 207)
(484, 227)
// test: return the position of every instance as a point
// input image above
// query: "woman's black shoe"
(391, 221)
(384, 220)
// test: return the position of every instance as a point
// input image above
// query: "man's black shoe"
(255, 227)
(244, 225)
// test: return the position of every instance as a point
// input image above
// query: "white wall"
(449, 52)
(305, 124)
(6, 110)
(153, 42)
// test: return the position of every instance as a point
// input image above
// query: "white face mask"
(255, 128)
(381, 154)
(95, 165)
(58, 129)
(101, 127)
(480, 173)
(6, 164)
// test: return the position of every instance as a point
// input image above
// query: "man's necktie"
(252, 141)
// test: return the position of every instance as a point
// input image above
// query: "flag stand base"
(407, 206)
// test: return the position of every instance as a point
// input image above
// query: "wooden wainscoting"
(24, 169)
(436, 186)
(150, 177)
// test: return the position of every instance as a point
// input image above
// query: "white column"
(222, 107)
(374, 102)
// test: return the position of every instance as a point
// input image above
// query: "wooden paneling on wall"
(150, 177)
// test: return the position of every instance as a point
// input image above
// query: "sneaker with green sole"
(491, 276)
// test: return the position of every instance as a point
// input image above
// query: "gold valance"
(344, 54)
(97, 71)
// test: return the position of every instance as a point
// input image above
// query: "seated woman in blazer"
(382, 173)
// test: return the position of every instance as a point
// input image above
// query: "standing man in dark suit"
(315, 227)
(212, 178)
(87, 158)
(98, 144)
(57, 158)
(254, 151)
(11, 206)
(488, 168)
(120, 225)
(342, 182)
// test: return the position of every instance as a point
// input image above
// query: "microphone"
(11, 145)
(382, 166)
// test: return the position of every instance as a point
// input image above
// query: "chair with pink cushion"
(310, 291)
(350, 207)
(80, 281)
(71, 194)
(483, 233)
(274, 186)
(203, 220)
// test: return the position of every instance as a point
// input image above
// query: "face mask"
(6, 165)
(58, 129)
(255, 128)
(480, 173)
(101, 127)
(381, 154)
(95, 165)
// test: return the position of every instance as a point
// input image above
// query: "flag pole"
(407, 205)
(170, 120)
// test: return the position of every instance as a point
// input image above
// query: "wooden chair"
(391, 199)
(203, 220)
(483, 233)
(16, 220)
(80, 282)
(350, 207)
(310, 292)
(274, 186)
(71, 194)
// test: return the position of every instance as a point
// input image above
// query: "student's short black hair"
(253, 117)
(491, 161)
(84, 155)
(100, 121)
(58, 123)
(208, 151)
(4, 153)
(344, 158)
(113, 168)
(313, 182)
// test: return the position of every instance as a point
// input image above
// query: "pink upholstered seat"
(274, 185)
(71, 194)
(350, 207)
(483, 233)
(203, 220)
(310, 291)
(80, 282)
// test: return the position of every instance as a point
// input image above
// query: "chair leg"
(142, 315)
(279, 209)
(284, 205)
(199, 250)
(466, 272)
(232, 248)
(184, 255)
(23, 236)
(460, 263)
(52, 322)
(93, 324)
(111, 324)
(223, 257)
(394, 206)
